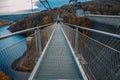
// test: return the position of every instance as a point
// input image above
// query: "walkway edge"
(41, 57)
(76, 59)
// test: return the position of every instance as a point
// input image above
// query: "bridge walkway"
(58, 62)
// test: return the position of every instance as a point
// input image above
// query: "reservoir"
(11, 49)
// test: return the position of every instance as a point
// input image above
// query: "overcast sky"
(8, 6)
(13, 6)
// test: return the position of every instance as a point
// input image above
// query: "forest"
(102, 7)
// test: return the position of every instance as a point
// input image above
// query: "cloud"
(16, 5)
(13, 6)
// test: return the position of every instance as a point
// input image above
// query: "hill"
(4, 22)
(103, 7)
(30, 21)
(13, 18)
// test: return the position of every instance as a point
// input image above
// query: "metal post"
(117, 36)
(76, 40)
(48, 32)
(68, 32)
(65, 27)
(38, 41)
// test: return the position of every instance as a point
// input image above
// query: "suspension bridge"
(68, 54)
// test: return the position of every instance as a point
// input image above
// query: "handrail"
(41, 57)
(74, 56)
(96, 31)
(93, 53)
(106, 16)
(23, 31)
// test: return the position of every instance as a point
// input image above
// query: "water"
(8, 41)
(11, 49)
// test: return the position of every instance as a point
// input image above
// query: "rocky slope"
(104, 7)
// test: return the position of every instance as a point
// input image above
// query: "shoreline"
(17, 65)
(26, 62)
(5, 22)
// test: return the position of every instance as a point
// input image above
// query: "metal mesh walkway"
(57, 62)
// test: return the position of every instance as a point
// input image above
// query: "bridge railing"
(23, 54)
(99, 61)
(106, 19)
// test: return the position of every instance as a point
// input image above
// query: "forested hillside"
(104, 7)
(33, 20)
(4, 22)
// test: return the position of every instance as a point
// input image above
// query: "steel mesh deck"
(57, 62)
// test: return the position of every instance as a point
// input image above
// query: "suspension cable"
(45, 3)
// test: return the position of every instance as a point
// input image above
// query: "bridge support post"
(68, 33)
(76, 40)
(48, 32)
(38, 41)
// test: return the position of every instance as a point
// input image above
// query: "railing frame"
(96, 31)
(37, 36)
(76, 40)
(38, 41)
(91, 30)
(74, 52)
(24, 31)
(41, 58)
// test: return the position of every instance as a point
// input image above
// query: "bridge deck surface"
(57, 62)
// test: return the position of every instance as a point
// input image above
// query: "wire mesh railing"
(99, 61)
(19, 59)
(8, 54)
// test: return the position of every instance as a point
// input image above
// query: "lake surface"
(11, 49)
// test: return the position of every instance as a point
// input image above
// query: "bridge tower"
(74, 2)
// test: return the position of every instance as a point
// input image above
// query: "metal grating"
(58, 62)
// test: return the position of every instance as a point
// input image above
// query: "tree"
(3, 76)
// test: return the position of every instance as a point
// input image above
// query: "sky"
(24, 6)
